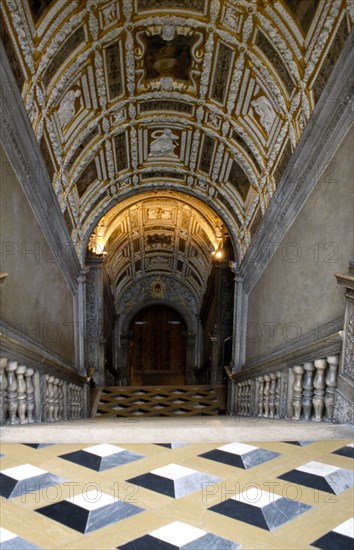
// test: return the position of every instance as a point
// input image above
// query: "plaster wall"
(298, 293)
(35, 299)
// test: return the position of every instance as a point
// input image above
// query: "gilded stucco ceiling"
(205, 98)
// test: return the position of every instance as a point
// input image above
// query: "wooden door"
(158, 347)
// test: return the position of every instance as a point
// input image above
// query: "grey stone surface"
(36, 299)
(297, 293)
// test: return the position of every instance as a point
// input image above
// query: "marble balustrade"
(57, 399)
(302, 392)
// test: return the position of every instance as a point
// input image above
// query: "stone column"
(239, 322)
(331, 384)
(319, 385)
(80, 321)
(308, 389)
(190, 339)
(343, 407)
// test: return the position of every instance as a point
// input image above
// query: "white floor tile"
(178, 533)
(24, 471)
(103, 450)
(173, 471)
(92, 500)
(256, 497)
(237, 448)
(317, 468)
(346, 528)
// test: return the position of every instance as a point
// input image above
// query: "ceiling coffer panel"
(196, 96)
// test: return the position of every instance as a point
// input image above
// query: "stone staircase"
(162, 401)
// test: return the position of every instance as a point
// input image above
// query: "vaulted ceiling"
(192, 107)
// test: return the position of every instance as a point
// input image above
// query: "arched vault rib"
(239, 73)
(163, 233)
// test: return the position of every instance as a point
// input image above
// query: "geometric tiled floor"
(198, 496)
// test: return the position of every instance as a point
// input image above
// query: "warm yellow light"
(218, 254)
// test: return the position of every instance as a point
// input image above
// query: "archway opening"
(157, 350)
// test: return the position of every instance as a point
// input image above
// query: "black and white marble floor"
(177, 496)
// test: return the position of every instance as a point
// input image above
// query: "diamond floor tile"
(89, 511)
(24, 479)
(240, 455)
(347, 451)
(174, 481)
(180, 536)
(11, 541)
(102, 457)
(261, 509)
(324, 477)
(340, 538)
(176, 496)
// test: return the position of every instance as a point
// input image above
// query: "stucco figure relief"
(163, 144)
(265, 112)
(69, 106)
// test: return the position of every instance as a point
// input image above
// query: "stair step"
(116, 401)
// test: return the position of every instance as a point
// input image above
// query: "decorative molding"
(23, 151)
(306, 348)
(25, 350)
(327, 127)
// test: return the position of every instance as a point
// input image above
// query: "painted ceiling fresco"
(203, 98)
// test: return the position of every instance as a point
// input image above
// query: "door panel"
(158, 348)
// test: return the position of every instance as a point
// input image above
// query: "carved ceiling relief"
(168, 56)
(197, 96)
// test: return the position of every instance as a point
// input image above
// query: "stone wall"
(35, 300)
(297, 293)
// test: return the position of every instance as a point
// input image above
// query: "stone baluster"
(260, 382)
(12, 392)
(289, 397)
(308, 389)
(266, 395)
(72, 402)
(29, 394)
(297, 392)
(243, 390)
(56, 399)
(319, 384)
(79, 403)
(239, 390)
(61, 401)
(244, 397)
(277, 394)
(331, 384)
(70, 406)
(3, 390)
(273, 383)
(49, 398)
(249, 393)
(21, 394)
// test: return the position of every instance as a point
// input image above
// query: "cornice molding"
(16, 347)
(307, 348)
(23, 151)
(330, 122)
